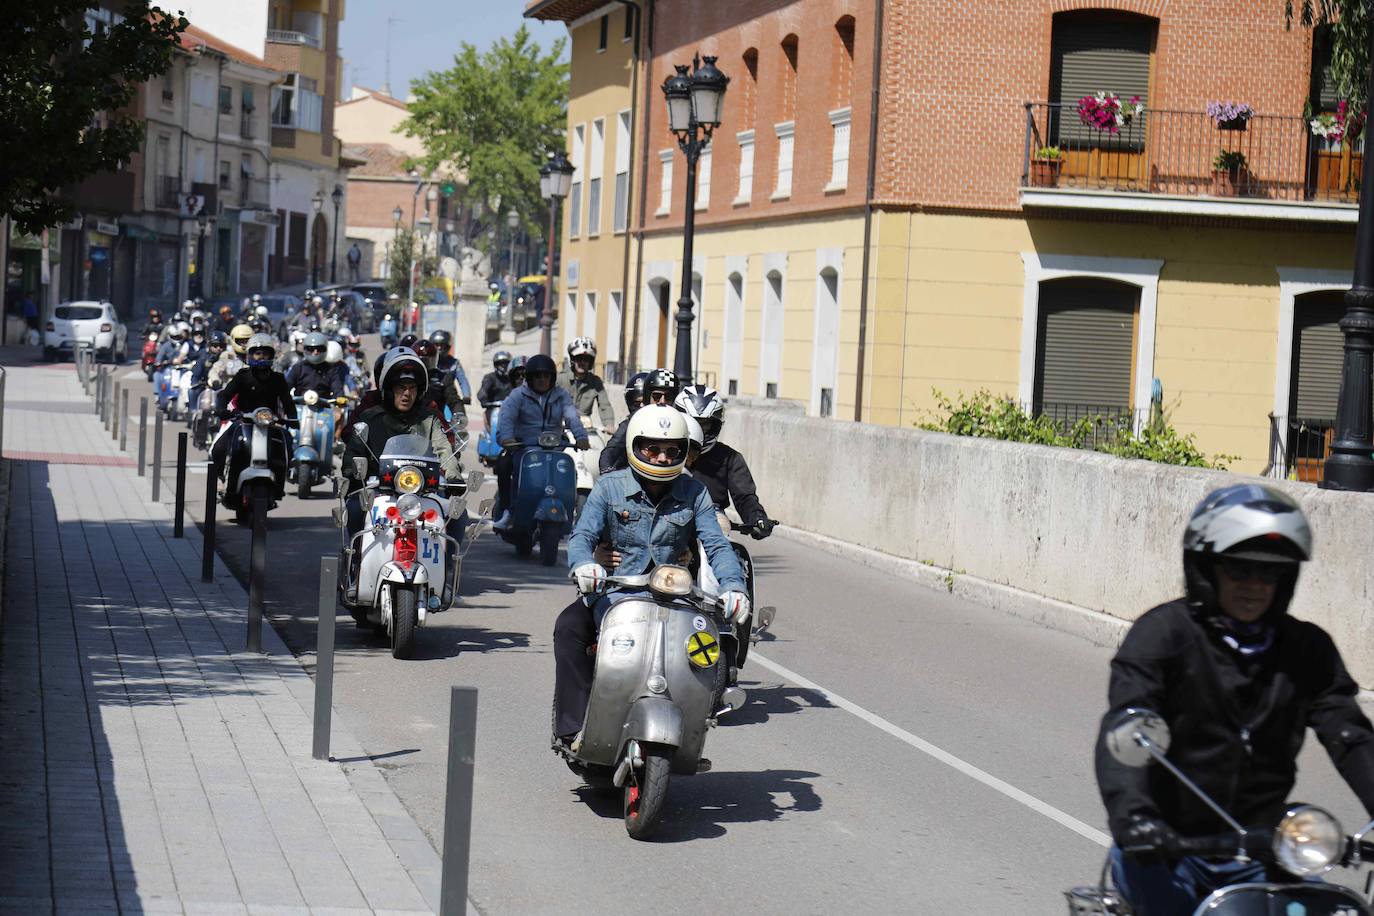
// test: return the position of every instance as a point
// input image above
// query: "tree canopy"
(493, 116)
(1349, 23)
(64, 91)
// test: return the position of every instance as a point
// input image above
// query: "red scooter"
(149, 355)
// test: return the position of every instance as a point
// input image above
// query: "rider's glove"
(736, 606)
(1148, 840)
(582, 445)
(590, 577)
(762, 528)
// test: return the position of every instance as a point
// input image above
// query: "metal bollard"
(157, 456)
(99, 390)
(257, 570)
(124, 420)
(462, 747)
(324, 656)
(114, 410)
(179, 516)
(207, 556)
(142, 436)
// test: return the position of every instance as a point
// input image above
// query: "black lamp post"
(318, 203)
(694, 104)
(202, 223)
(555, 181)
(337, 196)
(1350, 466)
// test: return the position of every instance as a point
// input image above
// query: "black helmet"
(634, 391)
(218, 340)
(442, 339)
(1245, 522)
(660, 380)
(409, 340)
(538, 363)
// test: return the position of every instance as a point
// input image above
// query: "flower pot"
(1045, 172)
(1229, 182)
(1233, 124)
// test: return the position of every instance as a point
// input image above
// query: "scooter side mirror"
(1134, 735)
(766, 615)
(360, 468)
(360, 431)
(456, 507)
(485, 507)
(475, 479)
(337, 515)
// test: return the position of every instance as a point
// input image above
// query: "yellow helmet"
(238, 338)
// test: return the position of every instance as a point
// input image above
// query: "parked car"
(356, 312)
(85, 322)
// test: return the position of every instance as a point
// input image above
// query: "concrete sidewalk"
(147, 764)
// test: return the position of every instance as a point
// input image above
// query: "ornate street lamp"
(317, 202)
(555, 181)
(694, 107)
(337, 196)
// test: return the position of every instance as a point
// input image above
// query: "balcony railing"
(248, 126)
(166, 190)
(1093, 424)
(1298, 447)
(1273, 157)
(282, 36)
(255, 194)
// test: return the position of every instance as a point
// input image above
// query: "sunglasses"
(1247, 570)
(315, 349)
(657, 397)
(673, 452)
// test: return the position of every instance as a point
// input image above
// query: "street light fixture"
(555, 181)
(203, 223)
(337, 196)
(694, 107)
(318, 203)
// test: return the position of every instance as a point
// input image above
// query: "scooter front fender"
(415, 574)
(655, 720)
(304, 454)
(252, 473)
(551, 510)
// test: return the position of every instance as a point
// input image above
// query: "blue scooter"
(542, 498)
(312, 448)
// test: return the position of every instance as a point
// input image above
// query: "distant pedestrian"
(355, 259)
(30, 310)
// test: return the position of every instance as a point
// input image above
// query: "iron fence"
(168, 189)
(1093, 425)
(1298, 447)
(1189, 154)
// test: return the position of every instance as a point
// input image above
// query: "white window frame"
(596, 154)
(615, 320)
(1295, 282)
(579, 151)
(589, 313)
(786, 132)
(620, 215)
(825, 354)
(704, 179)
(732, 338)
(745, 192)
(665, 183)
(839, 150)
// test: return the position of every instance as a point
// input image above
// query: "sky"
(426, 37)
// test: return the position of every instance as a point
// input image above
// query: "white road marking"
(945, 757)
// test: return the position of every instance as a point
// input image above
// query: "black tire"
(720, 678)
(578, 504)
(524, 545)
(149, 373)
(549, 536)
(305, 479)
(647, 790)
(404, 617)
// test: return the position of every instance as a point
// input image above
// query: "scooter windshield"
(408, 446)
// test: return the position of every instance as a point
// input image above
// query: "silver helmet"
(1245, 521)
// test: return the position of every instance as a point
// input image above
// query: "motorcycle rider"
(650, 513)
(256, 385)
(200, 372)
(584, 385)
(1239, 682)
(313, 373)
(516, 374)
(439, 391)
(233, 357)
(722, 469)
(154, 323)
(448, 362)
(656, 387)
(536, 406)
(387, 331)
(225, 320)
(168, 352)
(496, 383)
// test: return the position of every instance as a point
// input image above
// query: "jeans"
(507, 475)
(573, 635)
(1161, 889)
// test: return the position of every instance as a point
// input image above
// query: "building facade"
(1053, 213)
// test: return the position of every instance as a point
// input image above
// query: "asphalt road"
(901, 750)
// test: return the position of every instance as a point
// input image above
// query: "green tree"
(404, 247)
(1349, 22)
(65, 93)
(493, 116)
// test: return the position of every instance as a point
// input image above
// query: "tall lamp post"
(318, 203)
(202, 223)
(512, 223)
(555, 180)
(337, 196)
(1350, 466)
(694, 103)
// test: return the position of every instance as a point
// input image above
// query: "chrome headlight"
(311, 397)
(263, 416)
(409, 506)
(409, 480)
(670, 580)
(1308, 841)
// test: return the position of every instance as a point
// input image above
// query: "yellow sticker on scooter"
(702, 650)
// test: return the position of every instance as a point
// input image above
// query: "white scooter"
(179, 405)
(407, 564)
(588, 463)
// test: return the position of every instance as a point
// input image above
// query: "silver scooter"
(1307, 843)
(659, 672)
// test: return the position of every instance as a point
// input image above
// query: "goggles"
(653, 450)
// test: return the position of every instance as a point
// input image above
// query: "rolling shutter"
(1087, 337)
(1095, 53)
(1317, 343)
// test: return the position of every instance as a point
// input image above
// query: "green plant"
(985, 415)
(1229, 160)
(1049, 154)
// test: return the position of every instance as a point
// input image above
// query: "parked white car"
(86, 322)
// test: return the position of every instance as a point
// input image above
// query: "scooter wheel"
(646, 792)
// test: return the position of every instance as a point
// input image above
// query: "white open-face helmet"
(657, 427)
(582, 346)
(334, 352)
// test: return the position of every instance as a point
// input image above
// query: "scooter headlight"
(311, 397)
(409, 506)
(263, 416)
(1308, 841)
(670, 580)
(409, 480)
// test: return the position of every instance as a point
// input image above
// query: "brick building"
(1154, 255)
